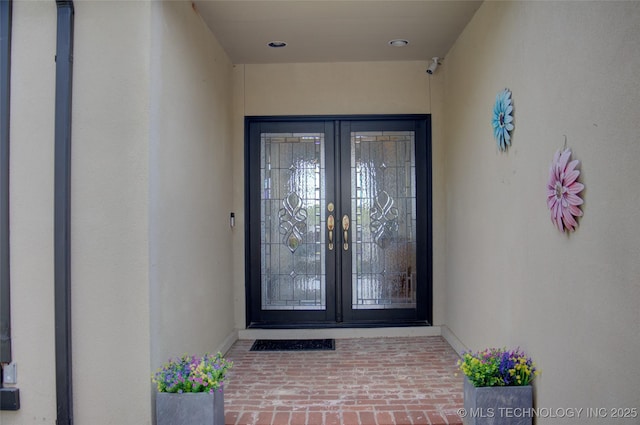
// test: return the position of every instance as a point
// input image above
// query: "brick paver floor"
(365, 381)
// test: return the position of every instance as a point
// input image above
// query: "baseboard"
(339, 333)
(228, 342)
(453, 340)
(342, 333)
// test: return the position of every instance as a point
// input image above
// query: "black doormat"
(293, 345)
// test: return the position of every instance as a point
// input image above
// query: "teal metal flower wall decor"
(503, 119)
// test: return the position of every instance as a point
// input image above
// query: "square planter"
(497, 405)
(190, 408)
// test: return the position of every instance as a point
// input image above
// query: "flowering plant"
(498, 367)
(192, 374)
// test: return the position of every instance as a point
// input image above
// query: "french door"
(338, 228)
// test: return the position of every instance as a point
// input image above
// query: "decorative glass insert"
(383, 209)
(293, 221)
(292, 218)
(384, 219)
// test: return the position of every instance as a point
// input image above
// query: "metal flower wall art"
(562, 191)
(503, 119)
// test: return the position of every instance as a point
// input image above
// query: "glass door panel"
(292, 173)
(383, 208)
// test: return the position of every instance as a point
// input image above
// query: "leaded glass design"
(384, 219)
(293, 221)
(292, 172)
(383, 208)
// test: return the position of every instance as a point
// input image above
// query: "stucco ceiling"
(335, 30)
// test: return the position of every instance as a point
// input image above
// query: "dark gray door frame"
(279, 319)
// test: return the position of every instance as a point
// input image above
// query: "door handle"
(345, 230)
(330, 226)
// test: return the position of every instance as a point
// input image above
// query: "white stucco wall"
(512, 278)
(31, 211)
(109, 213)
(191, 186)
(151, 244)
(338, 89)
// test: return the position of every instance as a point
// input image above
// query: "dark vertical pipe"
(9, 397)
(62, 207)
(5, 81)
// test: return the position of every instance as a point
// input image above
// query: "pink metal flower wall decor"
(562, 191)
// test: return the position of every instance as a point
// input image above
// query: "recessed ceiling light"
(277, 44)
(398, 42)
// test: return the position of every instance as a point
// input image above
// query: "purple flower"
(192, 374)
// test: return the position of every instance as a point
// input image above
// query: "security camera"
(433, 66)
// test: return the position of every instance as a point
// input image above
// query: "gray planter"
(497, 405)
(190, 408)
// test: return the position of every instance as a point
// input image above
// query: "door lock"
(345, 230)
(330, 226)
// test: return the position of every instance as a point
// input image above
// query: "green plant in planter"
(192, 374)
(495, 367)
